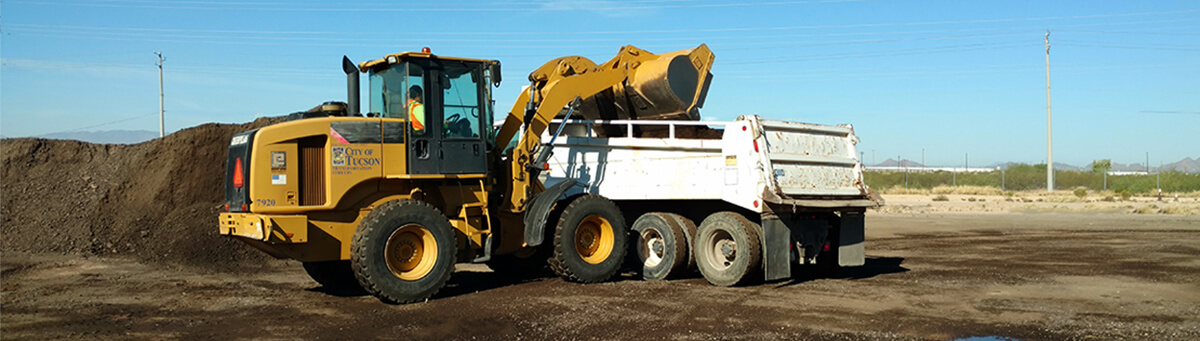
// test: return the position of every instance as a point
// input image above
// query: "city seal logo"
(338, 156)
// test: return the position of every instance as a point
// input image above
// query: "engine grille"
(312, 175)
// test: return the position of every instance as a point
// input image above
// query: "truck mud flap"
(852, 241)
(775, 243)
(539, 209)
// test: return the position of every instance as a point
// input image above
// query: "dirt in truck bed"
(120, 241)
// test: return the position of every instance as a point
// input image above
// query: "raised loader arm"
(643, 85)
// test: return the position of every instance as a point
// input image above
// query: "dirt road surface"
(1035, 276)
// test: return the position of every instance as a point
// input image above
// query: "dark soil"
(156, 201)
(941, 277)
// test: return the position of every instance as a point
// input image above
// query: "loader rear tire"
(661, 246)
(728, 250)
(333, 275)
(590, 240)
(404, 251)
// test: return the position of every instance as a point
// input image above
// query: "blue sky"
(950, 77)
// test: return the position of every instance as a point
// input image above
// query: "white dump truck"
(769, 196)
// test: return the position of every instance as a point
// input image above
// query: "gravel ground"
(939, 276)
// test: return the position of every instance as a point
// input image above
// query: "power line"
(103, 124)
(337, 7)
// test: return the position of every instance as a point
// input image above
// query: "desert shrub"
(1109, 198)
(1032, 177)
(1124, 193)
(941, 198)
(1081, 192)
(1152, 209)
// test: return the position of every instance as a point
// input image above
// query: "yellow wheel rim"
(411, 252)
(594, 239)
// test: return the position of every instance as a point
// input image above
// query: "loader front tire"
(590, 240)
(403, 251)
(728, 250)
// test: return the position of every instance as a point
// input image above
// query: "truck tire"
(590, 240)
(689, 231)
(333, 275)
(661, 246)
(404, 251)
(728, 250)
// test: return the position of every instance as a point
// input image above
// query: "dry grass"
(967, 190)
(902, 190)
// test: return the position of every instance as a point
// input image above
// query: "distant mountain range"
(1187, 165)
(107, 136)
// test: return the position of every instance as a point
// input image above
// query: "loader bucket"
(668, 86)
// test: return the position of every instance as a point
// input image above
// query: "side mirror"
(494, 69)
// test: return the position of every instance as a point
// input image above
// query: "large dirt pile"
(156, 201)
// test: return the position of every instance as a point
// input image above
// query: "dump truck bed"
(749, 162)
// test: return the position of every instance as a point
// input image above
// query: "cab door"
(462, 103)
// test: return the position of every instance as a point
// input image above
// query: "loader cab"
(446, 104)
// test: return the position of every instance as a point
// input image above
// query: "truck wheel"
(589, 240)
(661, 246)
(404, 251)
(333, 275)
(689, 231)
(728, 250)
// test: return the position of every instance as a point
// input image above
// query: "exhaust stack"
(351, 86)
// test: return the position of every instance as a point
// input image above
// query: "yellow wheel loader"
(392, 198)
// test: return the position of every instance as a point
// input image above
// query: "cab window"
(461, 101)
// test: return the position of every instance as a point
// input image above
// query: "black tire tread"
(689, 230)
(753, 249)
(558, 259)
(680, 245)
(362, 236)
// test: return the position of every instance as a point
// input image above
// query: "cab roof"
(399, 57)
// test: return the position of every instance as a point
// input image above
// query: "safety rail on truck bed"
(630, 123)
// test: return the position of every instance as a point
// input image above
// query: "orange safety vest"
(416, 114)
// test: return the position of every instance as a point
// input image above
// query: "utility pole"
(1049, 141)
(1147, 163)
(922, 157)
(161, 129)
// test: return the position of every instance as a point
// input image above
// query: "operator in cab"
(416, 110)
